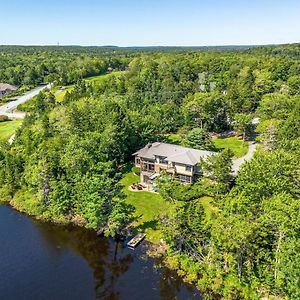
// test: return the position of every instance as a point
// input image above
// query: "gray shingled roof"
(6, 86)
(173, 153)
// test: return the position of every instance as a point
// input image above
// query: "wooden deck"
(135, 241)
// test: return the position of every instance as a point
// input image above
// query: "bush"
(136, 171)
(3, 118)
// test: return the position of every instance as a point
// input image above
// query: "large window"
(188, 168)
(151, 167)
(148, 167)
(162, 160)
(185, 178)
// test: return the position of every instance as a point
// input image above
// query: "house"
(173, 159)
(6, 88)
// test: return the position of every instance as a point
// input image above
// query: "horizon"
(148, 46)
(134, 23)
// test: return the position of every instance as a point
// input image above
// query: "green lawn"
(99, 78)
(61, 94)
(95, 79)
(235, 144)
(8, 128)
(149, 207)
(172, 138)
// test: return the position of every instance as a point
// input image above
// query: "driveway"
(237, 163)
(9, 108)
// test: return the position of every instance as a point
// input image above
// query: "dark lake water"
(44, 261)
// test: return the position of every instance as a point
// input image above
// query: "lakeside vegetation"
(233, 239)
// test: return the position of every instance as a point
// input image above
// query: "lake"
(45, 261)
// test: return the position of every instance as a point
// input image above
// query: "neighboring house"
(204, 84)
(173, 159)
(6, 88)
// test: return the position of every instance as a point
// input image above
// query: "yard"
(233, 143)
(8, 128)
(149, 207)
(59, 96)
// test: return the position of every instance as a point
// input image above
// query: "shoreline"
(156, 251)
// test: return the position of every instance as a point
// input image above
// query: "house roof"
(6, 86)
(173, 153)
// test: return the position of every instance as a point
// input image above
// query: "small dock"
(135, 241)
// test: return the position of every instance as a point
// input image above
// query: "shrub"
(3, 118)
(136, 171)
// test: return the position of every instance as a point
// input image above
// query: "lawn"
(8, 128)
(172, 138)
(99, 78)
(234, 143)
(59, 96)
(149, 207)
(95, 79)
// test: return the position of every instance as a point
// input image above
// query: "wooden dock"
(135, 241)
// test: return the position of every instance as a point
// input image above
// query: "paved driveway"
(237, 163)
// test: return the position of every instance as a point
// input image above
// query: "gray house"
(6, 88)
(173, 159)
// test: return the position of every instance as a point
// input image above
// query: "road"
(9, 108)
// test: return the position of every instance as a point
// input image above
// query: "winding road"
(9, 108)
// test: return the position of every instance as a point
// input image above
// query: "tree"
(218, 167)
(198, 138)
(242, 124)
(294, 84)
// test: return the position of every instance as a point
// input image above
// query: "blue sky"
(152, 22)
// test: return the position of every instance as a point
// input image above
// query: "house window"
(151, 167)
(138, 161)
(162, 160)
(188, 168)
(184, 178)
(148, 167)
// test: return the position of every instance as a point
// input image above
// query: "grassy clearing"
(172, 138)
(233, 143)
(59, 96)
(99, 78)
(7, 129)
(149, 207)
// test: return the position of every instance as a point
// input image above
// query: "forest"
(69, 155)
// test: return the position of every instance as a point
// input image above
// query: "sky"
(149, 22)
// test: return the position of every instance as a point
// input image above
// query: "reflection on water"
(43, 261)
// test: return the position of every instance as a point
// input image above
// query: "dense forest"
(67, 159)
